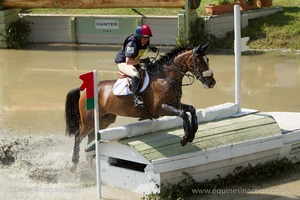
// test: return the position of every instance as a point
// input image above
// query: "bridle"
(192, 77)
(203, 74)
(206, 73)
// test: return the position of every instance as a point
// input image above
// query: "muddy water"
(35, 153)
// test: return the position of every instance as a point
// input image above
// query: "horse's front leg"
(189, 135)
(194, 119)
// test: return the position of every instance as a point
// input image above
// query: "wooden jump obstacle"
(142, 155)
(99, 4)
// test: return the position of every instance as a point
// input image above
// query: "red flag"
(88, 84)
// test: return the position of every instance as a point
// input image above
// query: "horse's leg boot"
(138, 101)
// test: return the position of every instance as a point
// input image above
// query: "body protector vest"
(132, 47)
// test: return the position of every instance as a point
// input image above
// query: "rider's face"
(144, 40)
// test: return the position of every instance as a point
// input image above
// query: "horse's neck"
(174, 73)
(182, 61)
(179, 67)
(174, 70)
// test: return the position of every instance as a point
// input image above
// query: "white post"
(96, 121)
(187, 20)
(237, 52)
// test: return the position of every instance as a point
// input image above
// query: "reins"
(191, 80)
(191, 77)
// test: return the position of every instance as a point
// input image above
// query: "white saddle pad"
(121, 86)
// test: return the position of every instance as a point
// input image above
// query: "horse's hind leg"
(84, 131)
(104, 122)
(91, 136)
(76, 149)
(107, 120)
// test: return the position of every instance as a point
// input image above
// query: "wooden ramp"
(166, 144)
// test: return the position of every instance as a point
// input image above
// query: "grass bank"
(277, 31)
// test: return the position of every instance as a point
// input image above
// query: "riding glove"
(153, 49)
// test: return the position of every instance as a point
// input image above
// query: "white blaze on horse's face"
(203, 71)
(207, 73)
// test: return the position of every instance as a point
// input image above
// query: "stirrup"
(138, 101)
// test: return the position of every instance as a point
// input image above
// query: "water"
(35, 81)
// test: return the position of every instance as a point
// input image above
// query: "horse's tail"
(72, 114)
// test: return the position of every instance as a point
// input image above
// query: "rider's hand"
(153, 49)
(145, 60)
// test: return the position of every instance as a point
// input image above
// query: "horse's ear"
(197, 49)
(201, 49)
(205, 47)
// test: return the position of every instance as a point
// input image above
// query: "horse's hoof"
(184, 141)
(187, 139)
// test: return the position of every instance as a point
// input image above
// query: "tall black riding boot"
(138, 101)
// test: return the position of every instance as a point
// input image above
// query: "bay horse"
(162, 96)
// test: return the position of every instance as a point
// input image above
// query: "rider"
(128, 58)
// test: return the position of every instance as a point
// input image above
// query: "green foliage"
(176, 191)
(276, 31)
(250, 2)
(241, 175)
(197, 33)
(222, 2)
(198, 36)
(106, 11)
(16, 34)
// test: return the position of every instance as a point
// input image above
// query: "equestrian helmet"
(143, 31)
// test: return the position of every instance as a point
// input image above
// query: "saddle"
(122, 87)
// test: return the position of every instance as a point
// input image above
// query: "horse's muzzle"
(212, 83)
(208, 82)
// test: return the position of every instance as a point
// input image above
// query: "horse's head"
(198, 64)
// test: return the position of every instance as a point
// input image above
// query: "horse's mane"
(168, 58)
